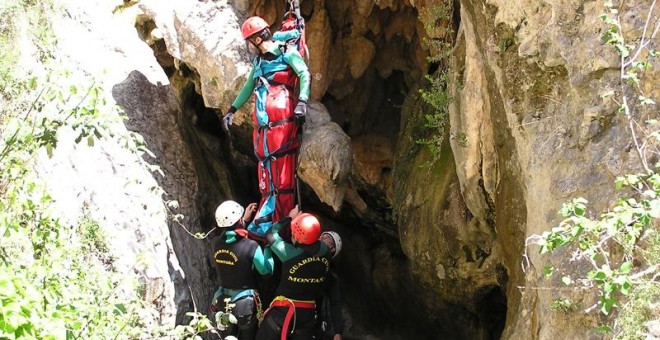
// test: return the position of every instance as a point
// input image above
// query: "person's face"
(327, 239)
(253, 42)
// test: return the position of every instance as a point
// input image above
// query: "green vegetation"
(437, 20)
(564, 305)
(622, 245)
(57, 279)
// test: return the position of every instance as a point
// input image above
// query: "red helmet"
(253, 25)
(305, 228)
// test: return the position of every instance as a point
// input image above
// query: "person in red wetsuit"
(280, 82)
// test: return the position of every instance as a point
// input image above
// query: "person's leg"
(271, 327)
(247, 327)
(305, 326)
(247, 321)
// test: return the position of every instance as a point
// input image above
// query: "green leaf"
(49, 150)
(547, 270)
(90, 141)
(625, 267)
(603, 329)
(120, 308)
(597, 275)
(608, 304)
(625, 287)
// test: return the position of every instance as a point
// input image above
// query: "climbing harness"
(282, 301)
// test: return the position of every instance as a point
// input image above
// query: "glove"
(269, 239)
(228, 118)
(300, 112)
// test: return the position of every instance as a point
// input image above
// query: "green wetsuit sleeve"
(295, 60)
(283, 250)
(280, 224)
(246, 91)
(263, 261)
(285, 35)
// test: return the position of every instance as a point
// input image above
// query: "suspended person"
(280, 81)
(330, 324)
(305, 263)
(236, 257)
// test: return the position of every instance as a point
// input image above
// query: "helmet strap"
(255, 44)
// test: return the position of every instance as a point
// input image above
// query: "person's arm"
(335, 305)
(263, 261)
(295, 60)
(285, 35)
(283, 250)
(245, 93)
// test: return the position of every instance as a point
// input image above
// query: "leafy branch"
(632, 68)
(620, 245)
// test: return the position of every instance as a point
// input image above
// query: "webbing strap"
(277, 192)
(235, 294)
(297, 304)
(271, 125)
(263, 219)
(277, 153)
(281, 301)
(265, 81)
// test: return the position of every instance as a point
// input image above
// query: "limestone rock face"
(206, 36)
(359, 54)
(537, 132)
(110, 183)
(320, 47)
(325, 157)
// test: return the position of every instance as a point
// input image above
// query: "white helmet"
(336, 239)
(228, 213)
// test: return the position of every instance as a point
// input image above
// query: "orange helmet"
(252, 26)
(305, 228)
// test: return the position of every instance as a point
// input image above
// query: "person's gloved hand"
(300, 112)
(228, 118)
(269, 238)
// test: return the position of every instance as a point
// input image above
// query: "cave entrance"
(382, 113)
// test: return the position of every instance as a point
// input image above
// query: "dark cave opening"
(205, 119)
(382, 112)
(492, 312)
